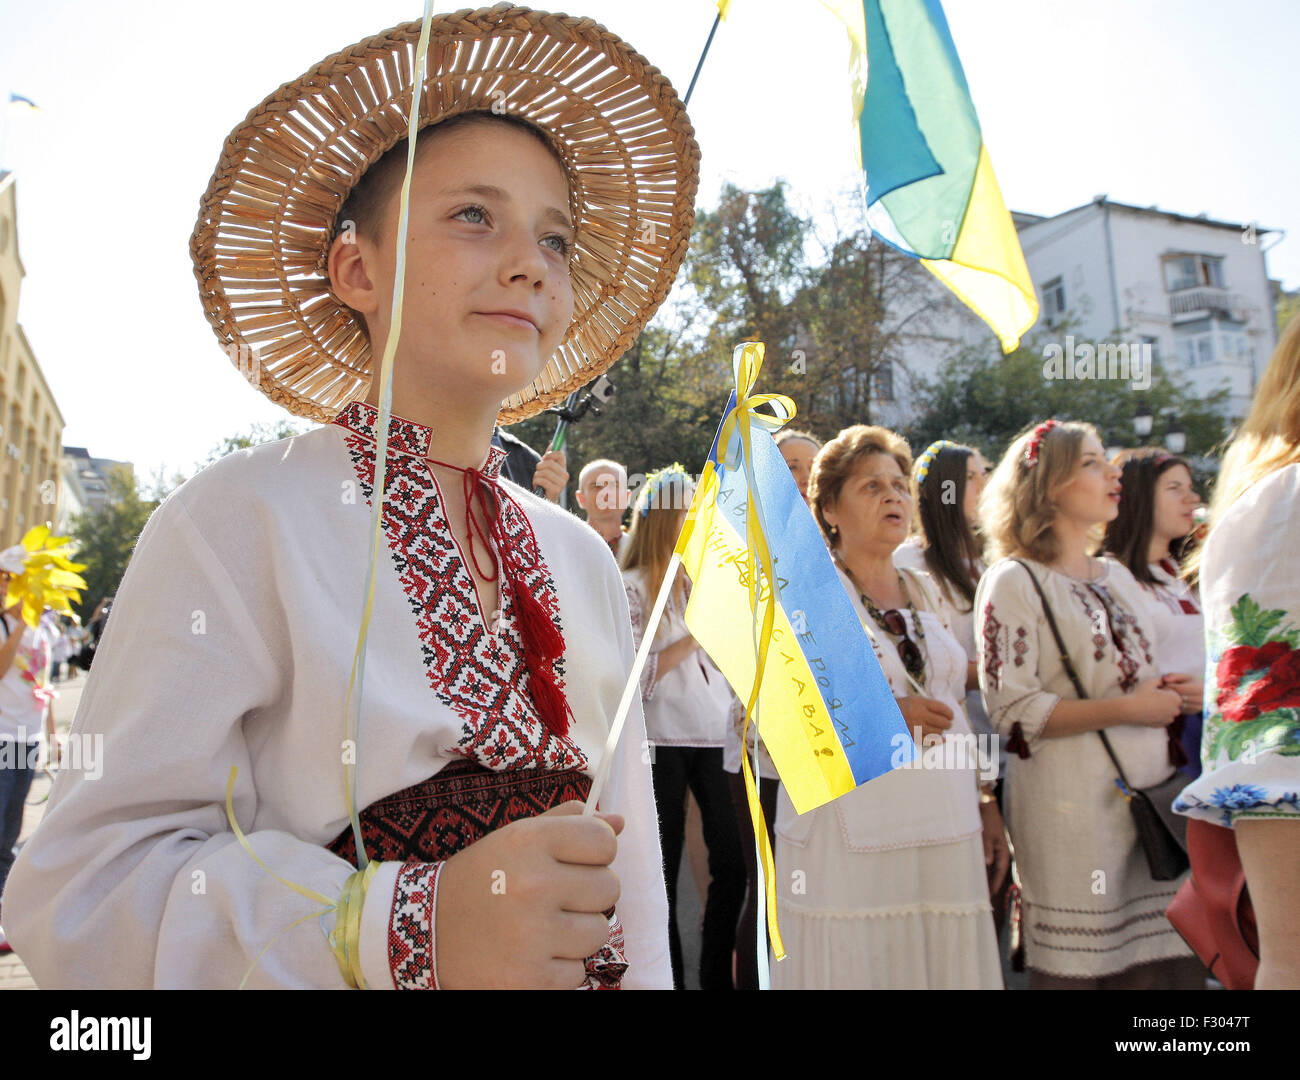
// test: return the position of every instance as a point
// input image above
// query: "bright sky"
(1187, 104)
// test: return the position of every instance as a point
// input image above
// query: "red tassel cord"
(1017, 744)
(542, 641)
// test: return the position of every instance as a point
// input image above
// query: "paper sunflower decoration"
(41, 574)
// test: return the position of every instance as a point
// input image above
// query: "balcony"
(1202, 302)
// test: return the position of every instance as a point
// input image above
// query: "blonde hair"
(839, 459)
(1268, 439)
(656, 523)
(1017, 507)
(786, 435)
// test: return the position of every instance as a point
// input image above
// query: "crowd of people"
(957, 577)
(416, 753)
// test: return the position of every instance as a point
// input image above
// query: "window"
(1196, 351)
(1053, 299)
(1154, 344)
(1235, 349)
(882, 382)
(1193, 271)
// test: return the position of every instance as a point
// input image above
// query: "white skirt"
(915, 918)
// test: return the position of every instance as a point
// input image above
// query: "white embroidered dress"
(885, 887)
(1250, 580)
(1090, 906)
(231, 643)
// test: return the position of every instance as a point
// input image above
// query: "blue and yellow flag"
(805, 669)
(825, 711)
(931, 191)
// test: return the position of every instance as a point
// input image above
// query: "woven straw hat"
(269, 215)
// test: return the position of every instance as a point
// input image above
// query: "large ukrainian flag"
(931, 191)
(825, 711)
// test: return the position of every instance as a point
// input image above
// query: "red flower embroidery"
(1276, 682)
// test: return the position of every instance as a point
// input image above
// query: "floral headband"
(649, 496)
(924, 462)
(1031, 450)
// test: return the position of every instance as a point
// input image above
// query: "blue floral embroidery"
(1239, 796)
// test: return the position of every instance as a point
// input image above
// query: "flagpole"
(713, 30)
(633, 682)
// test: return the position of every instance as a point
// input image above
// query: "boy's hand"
(551, 474)
(524, 907)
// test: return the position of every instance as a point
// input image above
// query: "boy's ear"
(349, 275)
(581, 501)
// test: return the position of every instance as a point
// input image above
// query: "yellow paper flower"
(49, 579)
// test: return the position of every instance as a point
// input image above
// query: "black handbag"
(1161, 832)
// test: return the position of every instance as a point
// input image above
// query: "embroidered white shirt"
(231, 644)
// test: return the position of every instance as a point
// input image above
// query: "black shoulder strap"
(1069, 667)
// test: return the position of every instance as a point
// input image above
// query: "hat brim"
(268, 217)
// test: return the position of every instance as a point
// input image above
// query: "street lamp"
(1143, 420)
(1175, 437)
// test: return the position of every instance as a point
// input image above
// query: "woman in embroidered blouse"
(687, 709)
(947, 480)
(1092, 917)
(886, 887)
(1156, 520)
(1250, 581)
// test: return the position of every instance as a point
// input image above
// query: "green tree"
(254, 435)
(1288, 307)
(105, 538)
(666, 408)
(985, 400)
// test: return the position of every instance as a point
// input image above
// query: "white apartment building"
(1196, 289)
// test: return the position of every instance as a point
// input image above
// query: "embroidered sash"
(434, 819)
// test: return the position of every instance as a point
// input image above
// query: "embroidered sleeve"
(1009, 613)
(412, 956)
(1250, 744)
(636, 608)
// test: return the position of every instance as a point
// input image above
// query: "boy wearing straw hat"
(430, 836)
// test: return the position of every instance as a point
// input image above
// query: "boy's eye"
(475, 215)
(558, 243)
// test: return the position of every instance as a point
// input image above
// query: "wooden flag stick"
(633, 681)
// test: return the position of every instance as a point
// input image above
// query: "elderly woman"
(886, 887)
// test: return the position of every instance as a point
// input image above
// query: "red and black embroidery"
(992, 662)
(429, 822)
(410, 927)
(474, 660)
(1118, 621)
(1020, 646)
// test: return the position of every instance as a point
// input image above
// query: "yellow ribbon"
(345, 938)
(746, 362)
(358, 676)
